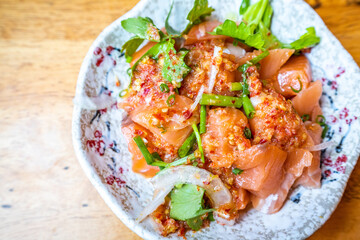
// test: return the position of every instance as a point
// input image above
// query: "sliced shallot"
(197, 99)
(214, 67)
(321, 146)
(165, 181)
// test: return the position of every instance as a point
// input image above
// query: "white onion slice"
(321, 146)
(214, 68)
(197, 99)
(165, 181)
(223, 219)
(94, 103)
(237, 51)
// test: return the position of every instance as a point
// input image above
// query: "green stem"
(219, 100)
(202, 119)
(187, 145)
(145, 152)
(198, 138)
(236, 86)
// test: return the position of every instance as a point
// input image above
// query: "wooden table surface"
(44, 194)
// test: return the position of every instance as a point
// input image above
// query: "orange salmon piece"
(271, 64)
(295, 70)
(224, 139)
(200, 31)
(307, 99)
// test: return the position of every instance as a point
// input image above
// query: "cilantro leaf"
(142, 27)
(131, 46)
(186, 202)
(197, 14)
(168, 28)
(244, 6)
(241, 32)
(174, 68)
(195, 223)
(308, 39)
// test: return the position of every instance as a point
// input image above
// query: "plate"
(103, 154)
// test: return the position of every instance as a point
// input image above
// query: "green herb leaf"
(241, 32)
(307, 40)
(186, 202)
(237, 171)
(197, 14)
(244, 6)
(168, 28)
(131, 46)
(195, 223)
(142, 27)
(174, 68)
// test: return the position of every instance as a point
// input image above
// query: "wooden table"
(44, 193)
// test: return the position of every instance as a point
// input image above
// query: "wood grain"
(44, 193)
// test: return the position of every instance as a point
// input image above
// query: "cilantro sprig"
(254, 30)
(187, 203)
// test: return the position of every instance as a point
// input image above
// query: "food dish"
(104, 142)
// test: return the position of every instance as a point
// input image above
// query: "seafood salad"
(223, 116)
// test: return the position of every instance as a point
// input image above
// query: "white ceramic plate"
(102, 150)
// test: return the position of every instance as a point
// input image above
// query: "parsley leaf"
(168, 28)
(131, 46)
(186, 202)
(197, 14)
(142, 27)
(174, 68)
(195, 223)
(241, 32)
(308, 39)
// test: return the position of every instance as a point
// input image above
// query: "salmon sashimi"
(312, 174)
(271, 64)
(316, 112)
(266, 176)
(207, 61)
(307, 99)
(241, 198)
(154, 144)
(200, 31)
(275, 121)
(271, 197)
(137, 55)
(172, 123)
(225, 139)
(296, 74)
(145, 86)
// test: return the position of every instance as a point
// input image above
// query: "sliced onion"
(94, 103)
(321, 146)
(237, 51)
(197, 99)
(165, 181)
(214, 68)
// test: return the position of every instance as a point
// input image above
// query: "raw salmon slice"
(296, 70)
(312, 174)
(200, 32)
(154, 144)
(267, 176)
(271, 64)
(137, 55)
(224, 139)
(173, 124)
(272, 195)
(307, 99)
